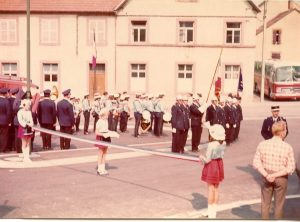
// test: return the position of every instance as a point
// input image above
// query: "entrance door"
(97, 79)
(231, 78)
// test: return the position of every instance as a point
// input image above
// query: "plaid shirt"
(274, 155)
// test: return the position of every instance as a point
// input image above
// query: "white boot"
(100, 168)
(205, 212)
(104, 170)
(26, 158)
(211, 211)
(214, 210)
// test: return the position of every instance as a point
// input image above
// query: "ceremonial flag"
(240, 85)
(94, 59)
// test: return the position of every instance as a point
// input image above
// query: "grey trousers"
(278, 188)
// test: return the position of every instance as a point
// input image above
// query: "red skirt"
(213, 172)
(101, 138)
(21, 132)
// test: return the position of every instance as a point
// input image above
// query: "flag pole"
(94, 85)
(214, 74)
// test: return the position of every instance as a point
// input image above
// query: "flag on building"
(240, 85)
(94, 59)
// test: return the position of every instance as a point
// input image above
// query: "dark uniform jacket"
(229, 115)
(196, 115)
(11, 102)
(211, 115)
(186, 112)
(65, 113)
(5, 112)
(177, 120)
(240, 112)
(266, 130)
(46, 111)
(221, 117)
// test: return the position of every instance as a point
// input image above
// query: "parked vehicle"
(282, 79)
(11, 82)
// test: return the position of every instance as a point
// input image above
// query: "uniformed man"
(5, 119)
(196, 111)
(229, 121)
(11, 131)
(158, 112)
(138, 110)
(186, 112)
(125, 112)
(46, 113)
(77, 113)
(150, 108)
(115, 112)
(96, 108)
(177, 123)
(211, 113)
(16, 106)
(86, 108)
(266, 130)
(239, 116)
(221, 116)
(65, 116)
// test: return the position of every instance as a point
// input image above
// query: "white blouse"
(102, 126)
(25, 118)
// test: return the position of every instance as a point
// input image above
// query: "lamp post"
(28, 46)
(262, 87)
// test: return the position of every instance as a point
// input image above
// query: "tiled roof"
(62, 6)
(276, 19)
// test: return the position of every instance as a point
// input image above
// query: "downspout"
(115, 53)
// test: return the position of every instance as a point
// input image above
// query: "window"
(100, 67)
(139, 31)
(186, 32)
(97, 30)
(185, 71)
(233, 32)
(275, 55)
(50, 72)
(8, 30)
(49, 31)
(9, 69)
(232, 71)
(276, 37)
(138, 70)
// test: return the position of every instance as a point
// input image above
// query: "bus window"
(284, 74)
(296, 73)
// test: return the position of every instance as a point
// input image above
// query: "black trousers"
(86, 115)
(177, 141)
(229, 134)
(196, 137)
(3, 137)
(158, 122)
(96, 118)
(46, 138)
(11, 139)
(77, 122)
(138, 118)
(114, 123)
(152, 117)
(65, 142)
(18, 141)
(123, 121)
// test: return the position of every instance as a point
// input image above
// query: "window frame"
(232, 71)
(16, 31)
(185, 29)
(49, 33)
(103, 32)
(57, 72)
(139, 28)
(233, 31)
(10, 71)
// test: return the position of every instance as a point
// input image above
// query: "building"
(282, 32)
(62, 43)
(170, 46)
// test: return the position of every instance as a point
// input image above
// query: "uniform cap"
(66, 92)
(195, 97)
(97, 97)
(275, 108)
(178, 97)
(234, 100)
(214, 98)
(116, 95)
(3, 90)
(14, 91)
(47, 92)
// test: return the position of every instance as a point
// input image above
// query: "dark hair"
(211, 139)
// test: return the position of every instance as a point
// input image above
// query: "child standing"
(103, 134)
(213, 170)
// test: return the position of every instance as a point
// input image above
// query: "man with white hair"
(229, 121)
(138, 110)
(177, 123)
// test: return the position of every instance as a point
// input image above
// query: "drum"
(146, 116)
(167, 117)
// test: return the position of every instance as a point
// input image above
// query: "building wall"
(289, 39)
(73, 53)
(162, 52)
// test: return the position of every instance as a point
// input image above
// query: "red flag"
(94, 62)
(94, 59)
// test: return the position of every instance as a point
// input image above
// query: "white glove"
(227, 125)
(173, 130)
(234, 126)
(203, 107)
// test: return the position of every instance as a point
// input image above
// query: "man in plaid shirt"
(274, 159)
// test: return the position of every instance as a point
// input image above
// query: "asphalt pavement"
(64, 184)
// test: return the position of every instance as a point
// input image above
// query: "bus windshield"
(288, 74)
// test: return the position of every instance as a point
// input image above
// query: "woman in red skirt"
(213, 170)
(103, 134)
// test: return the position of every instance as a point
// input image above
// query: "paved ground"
(63, 184)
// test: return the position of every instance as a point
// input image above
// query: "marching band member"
(150, 107)
(115, 112)
(124, 112)
(77, 113)
(158, 111)
(96, 108)
(229, 121)
(86, 113)
(186, 111)
(103, 134)
(138, 110)
(177, 123)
